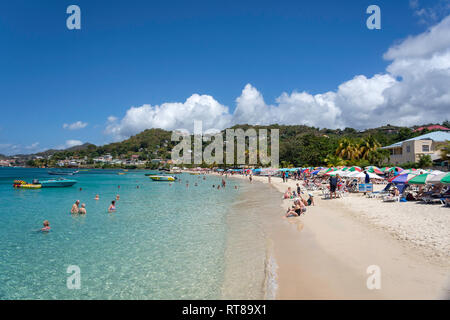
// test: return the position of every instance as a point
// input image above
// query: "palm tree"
(444, 150)
(347, 149)
(366, 146)
(334, 161)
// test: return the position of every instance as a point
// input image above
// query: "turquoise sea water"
(165, 241)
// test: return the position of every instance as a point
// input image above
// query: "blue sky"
(132, 53)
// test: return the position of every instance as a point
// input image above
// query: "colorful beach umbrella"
(419, 179)
(398, 169)
(373, 169)
(440, 178)
(355, 168)
(402, 178)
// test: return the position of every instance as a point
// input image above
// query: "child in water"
(46, 227)
(112, 207)
(82, 209)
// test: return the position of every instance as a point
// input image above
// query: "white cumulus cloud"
(75, 126)
(69, 144)
(169, 116)
(414, 89)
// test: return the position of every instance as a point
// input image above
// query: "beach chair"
(391, 199)
(382, 193)
(326, 193)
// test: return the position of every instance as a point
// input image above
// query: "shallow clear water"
(165, 241)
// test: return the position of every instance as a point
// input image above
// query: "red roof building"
(433, 127)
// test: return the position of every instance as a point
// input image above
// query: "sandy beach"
(325, 253)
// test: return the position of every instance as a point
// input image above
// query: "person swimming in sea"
(112, 207)
(117, 197)
(75, 207)
(46, 227)
(82, 209)
(97, 197)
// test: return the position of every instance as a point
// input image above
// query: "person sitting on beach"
(75, 207)
(46, 227)
(112, 207)
(82, 209)
(287, 195)
(298, 189)
(310, 199)
(297, 209)
(97, 197)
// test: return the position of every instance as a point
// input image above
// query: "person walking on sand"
(75, 207)
(333, 186)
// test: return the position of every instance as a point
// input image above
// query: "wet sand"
(325, 255)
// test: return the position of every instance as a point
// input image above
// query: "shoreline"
(325, 253)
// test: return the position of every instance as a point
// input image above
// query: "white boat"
(162, 178)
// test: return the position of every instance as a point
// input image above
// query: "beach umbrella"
(373, 169)
(440, 178)
(395, 168)
(413, 171)
(355, 168)
(402, 178)
(419, 179)
(374, 176)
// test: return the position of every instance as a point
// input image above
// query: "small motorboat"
(162, 178)
(62, 173)
(56, 183)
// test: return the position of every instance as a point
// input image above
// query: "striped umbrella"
(398, 169)
(402, 178)
(440, 178)
(373, 169)
(420, 179)
(355, 168)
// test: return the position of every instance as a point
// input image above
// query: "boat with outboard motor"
(38, 184)
(162, 178)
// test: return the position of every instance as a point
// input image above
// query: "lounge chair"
(391, 199)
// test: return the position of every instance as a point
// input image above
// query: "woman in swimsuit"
(112, 207)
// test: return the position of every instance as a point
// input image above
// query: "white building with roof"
(412, 149)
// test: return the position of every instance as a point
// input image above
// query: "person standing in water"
(82, 209)
(112, 207)
(75, 207)
(46, 227)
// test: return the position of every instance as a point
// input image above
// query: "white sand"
(325, 253)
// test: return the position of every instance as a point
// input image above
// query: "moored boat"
(62, 173)
(57, 183)
(162, 178)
